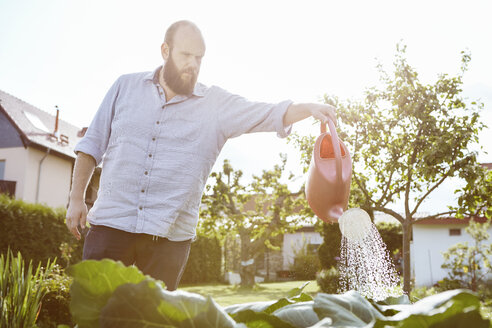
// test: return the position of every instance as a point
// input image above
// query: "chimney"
(56, 133)
(82, 132)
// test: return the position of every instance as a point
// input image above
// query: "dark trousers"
(159, 258)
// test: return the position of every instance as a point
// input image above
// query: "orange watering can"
(329, 175)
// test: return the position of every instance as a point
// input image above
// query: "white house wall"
(54, 188)
(15, 167)
(294, 242)
(429, 241)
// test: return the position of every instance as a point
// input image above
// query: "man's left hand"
(297, 112)
(323, 112)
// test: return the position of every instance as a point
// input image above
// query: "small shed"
(432, 237)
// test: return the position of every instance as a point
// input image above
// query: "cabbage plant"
(108, 294)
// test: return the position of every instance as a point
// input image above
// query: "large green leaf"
(147, 304)
(93, 284)
(254, 319)
(323, 323)
(295, 292)
(392, 305)
(403, 299)
(299, 315)
(253, 306)
(270, 314)
(453, 308)
(346, 310)
(267, 306)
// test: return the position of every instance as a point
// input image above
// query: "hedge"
(329, 250)
(204, 263)
(37, 231)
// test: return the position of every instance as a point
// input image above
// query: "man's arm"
(77, 210)
(298, 112)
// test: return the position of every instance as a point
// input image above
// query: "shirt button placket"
(147, 170)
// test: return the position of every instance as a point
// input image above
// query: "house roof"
(487, 165)
(449, 221)
(37, 126)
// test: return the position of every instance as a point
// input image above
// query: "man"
(160, 133)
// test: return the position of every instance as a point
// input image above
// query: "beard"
(173, 78)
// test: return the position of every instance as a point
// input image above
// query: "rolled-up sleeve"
(96, 138)
(238, 115)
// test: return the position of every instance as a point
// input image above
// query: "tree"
(470, 264)
(406, 138)
(225, 212)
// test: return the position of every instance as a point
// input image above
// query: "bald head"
(181, 25)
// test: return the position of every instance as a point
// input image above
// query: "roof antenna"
(56, 133)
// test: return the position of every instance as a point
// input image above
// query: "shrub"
(422, 292)
(470, 264)
(204, 262)
(329, 251)
(305, 267)
(485, 293)
(37, 231)
(55, 305)
(306, 263)
(328, 280)
(21, 290)
(448, 284)
(392, 235)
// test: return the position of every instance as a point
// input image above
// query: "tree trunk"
(247, 266)
(407, 235)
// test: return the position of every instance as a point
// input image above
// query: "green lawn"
(227, 295)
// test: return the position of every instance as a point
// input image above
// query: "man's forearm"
(298, 112)
(82, 173)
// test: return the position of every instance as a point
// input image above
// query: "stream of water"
(365, 264)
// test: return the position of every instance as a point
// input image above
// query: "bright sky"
(68, 53)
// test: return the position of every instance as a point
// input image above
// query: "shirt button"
(140, 208)
(157, 122)
(146, 173)
(163, 106)
(143, 190)
(150, 155)
(153, 139)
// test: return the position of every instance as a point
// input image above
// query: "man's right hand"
(76, 216)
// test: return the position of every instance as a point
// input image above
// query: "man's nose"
(194, 63)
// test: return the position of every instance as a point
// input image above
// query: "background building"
(36, 154)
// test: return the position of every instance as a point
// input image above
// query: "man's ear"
(165, 51)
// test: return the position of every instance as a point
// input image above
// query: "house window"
(2, 169)
(455, 232)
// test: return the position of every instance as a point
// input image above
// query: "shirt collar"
(153, 76)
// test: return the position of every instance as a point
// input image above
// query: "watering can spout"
(329, 175)
(335, 212)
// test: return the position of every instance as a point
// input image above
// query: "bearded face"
(183, 81)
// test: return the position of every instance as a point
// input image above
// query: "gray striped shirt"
(157, 155)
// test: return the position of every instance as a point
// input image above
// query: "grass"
(226, 295)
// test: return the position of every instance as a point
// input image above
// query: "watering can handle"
(338, 150)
